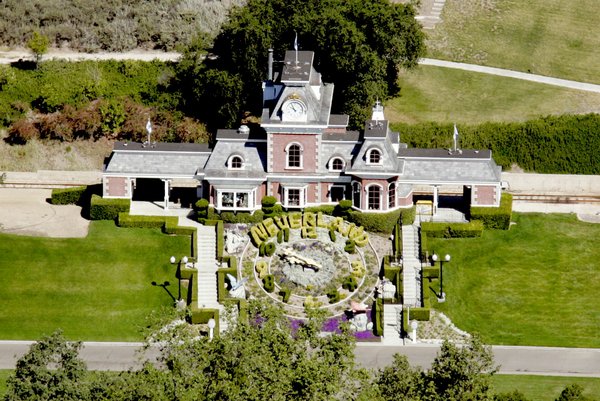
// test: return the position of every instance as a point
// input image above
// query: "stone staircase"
(207, 265)
(411, 266)
(430, 13)
(392, 324)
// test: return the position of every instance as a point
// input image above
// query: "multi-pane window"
(294, 156)
(235, 200)
(392, 195)
(293, 196)
(337, 164)
(374, 197)
(236, 162)
(374, 156)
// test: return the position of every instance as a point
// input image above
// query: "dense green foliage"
(107, 208)
(67, 196)
(471, 229)
(359, 46)
(91, 99)
(555, 144)
(381, 222)
(124, 25)
(494, 217)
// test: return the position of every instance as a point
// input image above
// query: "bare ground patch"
(26, 212)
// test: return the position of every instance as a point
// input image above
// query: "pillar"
(435, 199)
(167, 190)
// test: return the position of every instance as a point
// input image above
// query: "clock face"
(293, 109)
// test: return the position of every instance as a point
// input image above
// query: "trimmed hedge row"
(202, 316)
(67, 196)
(471, 229)
(378, 317)
(218, 224)
(126, 220)
(381, 222)
(107, 209)
(394, 274)
(222, 293)
(494, 217)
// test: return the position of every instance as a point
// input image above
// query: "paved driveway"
(27, 212)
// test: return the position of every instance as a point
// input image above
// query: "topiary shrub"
(269, 283)
(350, 283)
(333, 295)
(279, 237)
(107, 209)
(342, 209)
(377, 317)
(268, 205)
(286, 234)
(332, 235)
(285, 294)
(201, 208)
(269, 248)
(350, 246)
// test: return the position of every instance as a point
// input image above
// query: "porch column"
(167, 190)
(435, 199)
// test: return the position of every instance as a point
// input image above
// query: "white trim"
(368, 156)
(302, 196)
(330, 187)
(287, 156)
(230, 161)
(381, 192)
(334, 158)
(251, 199)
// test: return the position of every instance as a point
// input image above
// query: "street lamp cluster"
(435, 258)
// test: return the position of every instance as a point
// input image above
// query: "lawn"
(543, 388)
(535, 284)
(548, 37)
(94, 288)
(453, 96)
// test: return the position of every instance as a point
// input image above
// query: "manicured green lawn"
(535, 284)
(549, 37)
(94, 288)
(4, 373)
(543, 388)
(452, 96)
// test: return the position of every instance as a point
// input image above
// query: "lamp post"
(184, 260)
(211, 327)
(434, 257)
(414, 325)
(172, 260)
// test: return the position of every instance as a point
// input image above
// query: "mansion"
(303, 155)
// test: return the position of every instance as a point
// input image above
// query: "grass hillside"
(548, 37)
(446, 95)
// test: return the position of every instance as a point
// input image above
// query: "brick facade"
(279, 143)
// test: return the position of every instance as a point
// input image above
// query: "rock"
(234, 242)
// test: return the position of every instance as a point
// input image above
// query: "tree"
(573, 392)
(38, 44)
(399, 381)
(461, 373)
(51, 369)
(360, 46)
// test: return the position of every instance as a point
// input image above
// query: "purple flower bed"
(332, 325)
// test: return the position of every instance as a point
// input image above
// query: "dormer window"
(374, 156)
(235, 163)
(293, 155)
(336, 164)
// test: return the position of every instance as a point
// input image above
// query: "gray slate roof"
(253, 153)
(159, 159)
(459, 170)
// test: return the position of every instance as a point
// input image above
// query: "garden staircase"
(392, 324)
(207, 265)
(411, 265)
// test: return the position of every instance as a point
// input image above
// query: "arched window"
(336, 164)
(374, 156)
(374, 197)
(392, 195)
(236, 163)
(294, 156)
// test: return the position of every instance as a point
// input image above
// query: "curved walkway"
(512, 74)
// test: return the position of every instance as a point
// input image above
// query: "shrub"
(325, 209)
(222, 293)
(421, 314)
(377, 316)
(350, 246)
(333, 295)
(453, 230)
(375, 222)
(268, 205)
(202, 316)
(285, 294)
(269, 283)
(107, 209)
(343, 208)
(431, 272)
(201, 208)
(67, 196)
(494, 217)
(350, 283)
(279, 237)
(269, 248)
(286, 234)
(127, 220)
(332, 235)
(397, 244)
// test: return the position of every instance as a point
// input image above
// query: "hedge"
(381, 222)
(126, 220)
(431, 272)
(565, 144)
(285, 294)
(202, 316)
(394, 274)
(269, 283)
(222, 292)
(397, 243)
(218, 224)
(471, 229)
(378, 317)
(107, 209)
(67, 196)
(421, 314)
(494, 217)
